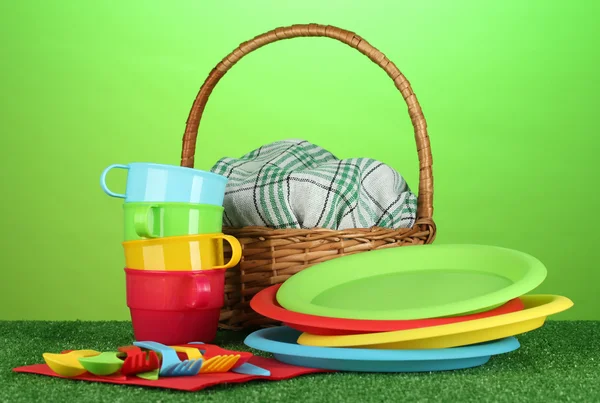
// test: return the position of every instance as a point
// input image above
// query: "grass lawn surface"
(559, 362)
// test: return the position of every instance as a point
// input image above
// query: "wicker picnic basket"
(271, 256)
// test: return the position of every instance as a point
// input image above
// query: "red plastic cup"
(175, 307)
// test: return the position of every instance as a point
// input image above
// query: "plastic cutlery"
(68, 364)
(151, 375)
(211, 350)
(220, 363)
(171, 364)
(185, 368)
(138, 361)
(106, 363)
(169, 356)
(193, 353)
(241, 366)
(251, 369)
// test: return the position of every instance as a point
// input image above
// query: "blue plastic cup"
(148, 182)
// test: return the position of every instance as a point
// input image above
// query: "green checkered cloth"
(296, 184)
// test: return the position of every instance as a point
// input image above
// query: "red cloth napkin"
(279, 371)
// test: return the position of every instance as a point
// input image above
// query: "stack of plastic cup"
(174, 253)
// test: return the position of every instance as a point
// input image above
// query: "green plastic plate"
(412, 282)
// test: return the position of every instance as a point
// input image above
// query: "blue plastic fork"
(184, 368)
(171, 365)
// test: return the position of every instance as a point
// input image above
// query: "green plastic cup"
(157, 220)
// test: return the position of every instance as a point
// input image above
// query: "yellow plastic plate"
(537, 309)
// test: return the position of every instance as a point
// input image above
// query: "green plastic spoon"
(67, 364)
(104, 364)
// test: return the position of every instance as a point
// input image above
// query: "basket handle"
(425, 196)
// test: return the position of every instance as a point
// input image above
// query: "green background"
(509, 90)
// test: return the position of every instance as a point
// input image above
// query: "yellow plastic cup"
(182, 253)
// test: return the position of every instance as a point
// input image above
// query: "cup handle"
(103, 180)
(236, 252)
(200, 296)
(140, 221)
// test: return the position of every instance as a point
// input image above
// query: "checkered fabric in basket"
(297, 184)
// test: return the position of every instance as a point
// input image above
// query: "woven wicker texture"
(272, 256)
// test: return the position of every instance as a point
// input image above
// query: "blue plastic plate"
(281, 342)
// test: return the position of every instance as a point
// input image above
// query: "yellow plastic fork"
(219, 363)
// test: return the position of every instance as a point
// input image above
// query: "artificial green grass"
(559, 362)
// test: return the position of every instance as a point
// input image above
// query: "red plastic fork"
(138, 361)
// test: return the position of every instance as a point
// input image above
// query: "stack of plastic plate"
(430, 307)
